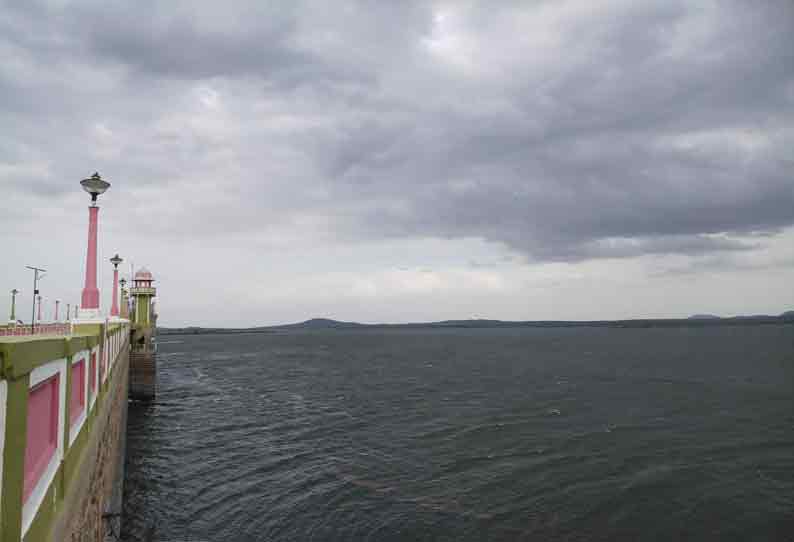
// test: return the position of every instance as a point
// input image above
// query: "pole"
(57, 302)
(14, 293)
(90, 297)
(114, 308)
(35, 291)
(36, 271)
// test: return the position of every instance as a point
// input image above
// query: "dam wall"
(63, 407)
(143, 364)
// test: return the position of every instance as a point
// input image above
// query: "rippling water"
(500, 434)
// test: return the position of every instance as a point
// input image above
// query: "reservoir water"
(464, 435)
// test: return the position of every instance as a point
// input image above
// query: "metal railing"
(38, 329)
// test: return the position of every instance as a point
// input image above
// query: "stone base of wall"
(143, 375)
(88, 513)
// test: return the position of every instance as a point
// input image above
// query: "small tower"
(143, 363)
(142, 292)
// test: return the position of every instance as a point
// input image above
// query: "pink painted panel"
(77, 399)
(42, 431)
(93, 372)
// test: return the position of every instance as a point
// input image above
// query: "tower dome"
(143, 274)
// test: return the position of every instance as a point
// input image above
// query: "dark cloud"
(564, 131)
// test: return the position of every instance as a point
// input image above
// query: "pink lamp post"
(114, 308)
(95, 186)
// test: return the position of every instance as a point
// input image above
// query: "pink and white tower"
(89, 306)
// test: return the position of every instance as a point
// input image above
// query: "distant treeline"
(209, 330)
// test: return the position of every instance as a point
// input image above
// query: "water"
(458, 435)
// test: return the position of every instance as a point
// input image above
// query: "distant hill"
(788, 315)
(320, 324)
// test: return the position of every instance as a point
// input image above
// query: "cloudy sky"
(402, 161)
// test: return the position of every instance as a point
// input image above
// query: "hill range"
(326, 324)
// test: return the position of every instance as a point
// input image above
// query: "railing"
(143, 290)
(51, 390)
(39, 329)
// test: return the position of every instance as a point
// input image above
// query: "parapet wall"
(63, 405)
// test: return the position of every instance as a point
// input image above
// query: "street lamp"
(89, 302)
(13, 319)
(95, 185)
(114, 307)
(36, 277)
(125, 305)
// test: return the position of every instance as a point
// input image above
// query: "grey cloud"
(640, 129)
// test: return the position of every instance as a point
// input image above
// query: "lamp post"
(125, 305)
(36, 277)
(39, 298)
(114, 308)
(68, 311)
(89, 303)
(13, 319)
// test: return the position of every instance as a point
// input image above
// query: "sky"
(403, 161)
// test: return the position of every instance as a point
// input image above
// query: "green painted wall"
(142, 309)
(19, 356)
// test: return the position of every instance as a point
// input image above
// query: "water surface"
(463, 435)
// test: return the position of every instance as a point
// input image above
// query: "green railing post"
(14, 458)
